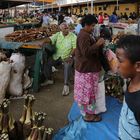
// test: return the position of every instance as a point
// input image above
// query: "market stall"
(30, 42)
(6, 29)
(34, 47)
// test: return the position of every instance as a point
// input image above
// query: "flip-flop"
(96, 119)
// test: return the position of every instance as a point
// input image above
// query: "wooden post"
(87, 8)
(117, 6)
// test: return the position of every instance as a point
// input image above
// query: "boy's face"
(125, 68)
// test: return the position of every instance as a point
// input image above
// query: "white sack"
(18, 66)
(2, 56)
(5, 68)
(27, 82)
(100, 98)
(131, 29)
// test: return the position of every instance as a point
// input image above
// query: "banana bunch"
(4, 136)
(39, 132)
(26, 121)
(48, 133)
(7, 122)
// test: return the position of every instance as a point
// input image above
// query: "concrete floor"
(50, 101)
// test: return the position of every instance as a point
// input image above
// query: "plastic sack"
(18, 66)
(5, 68)
(112, 61)
(100, 99)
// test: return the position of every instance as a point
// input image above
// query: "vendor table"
(35, 47)
(6, 29)
(26, 26)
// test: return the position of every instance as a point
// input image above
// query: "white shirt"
(46, 19)
(68, 20)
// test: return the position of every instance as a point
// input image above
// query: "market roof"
(11, 3)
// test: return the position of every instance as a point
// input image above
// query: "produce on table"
(32, 34)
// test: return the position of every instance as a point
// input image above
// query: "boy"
(128, 54)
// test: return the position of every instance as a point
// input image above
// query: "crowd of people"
(103, 18)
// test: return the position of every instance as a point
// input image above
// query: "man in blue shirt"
(113, 18)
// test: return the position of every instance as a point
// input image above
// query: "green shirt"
(64, 44)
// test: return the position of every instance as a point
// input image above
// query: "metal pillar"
(92, 7)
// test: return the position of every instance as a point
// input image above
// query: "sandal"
(96, 118)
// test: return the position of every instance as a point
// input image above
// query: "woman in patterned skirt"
(87, 67)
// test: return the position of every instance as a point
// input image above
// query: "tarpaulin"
(77, 129)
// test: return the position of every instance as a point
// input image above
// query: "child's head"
(128, 54)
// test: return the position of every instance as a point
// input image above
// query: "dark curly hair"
(131, 45)
(89, 20)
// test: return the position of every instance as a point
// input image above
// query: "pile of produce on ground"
(32, 34)
(29, 127)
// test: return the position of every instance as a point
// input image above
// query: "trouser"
(47, 70)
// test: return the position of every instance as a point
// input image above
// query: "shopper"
(46, 20)
(68, 19)
(129, 67)
(100, 18)
(125, 16)
(113, 18)
(87, 65)
(65, 43)
(60, 18)
(79, 26)
(106, 19)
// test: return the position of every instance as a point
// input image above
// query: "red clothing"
(100, 19)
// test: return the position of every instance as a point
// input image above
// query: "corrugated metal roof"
(11, 3)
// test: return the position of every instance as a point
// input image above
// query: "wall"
(128, 8)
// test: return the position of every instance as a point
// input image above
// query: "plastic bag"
(112, 61)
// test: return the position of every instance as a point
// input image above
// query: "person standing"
(100, 18)
(113, 18)
(45, 20)
(87, 68)
(106, 19)
(128, 51)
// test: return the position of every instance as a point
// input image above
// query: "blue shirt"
(78, 28)
(113, 19)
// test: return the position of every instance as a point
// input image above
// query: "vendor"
(46, 20)
(65, 43)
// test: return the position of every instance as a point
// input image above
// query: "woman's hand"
(100, 42)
